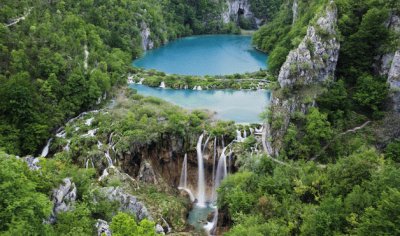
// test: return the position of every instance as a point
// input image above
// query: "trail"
(340, 135)
(17, 20)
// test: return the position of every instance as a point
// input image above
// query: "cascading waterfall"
(213, 170)
(239, 136)
(162, 85)
(245, 134)
(183, 180)
(201, 189)
(222, 172)
(45, 150)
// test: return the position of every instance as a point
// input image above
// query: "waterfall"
(211, 226)
(251, 130)
(45, 150)
(239, 136)
(66, 148)
(183, 180)
(244, 133)
(213, 170)
(201, 189)
(141, 81)
(162, 85)
(222, 170)
(260, 130)
(206, 143)
(109, 160)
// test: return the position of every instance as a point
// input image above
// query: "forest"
(337, 171)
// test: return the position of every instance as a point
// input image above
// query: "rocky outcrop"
(394, 81)
(389, 64)
(103, 228)
(236, 8)
(145, 33)
(316, 57)
(295, 11)
(128, 203)
(146, 173)
(63, 198)
(32, 162)
(303, 73)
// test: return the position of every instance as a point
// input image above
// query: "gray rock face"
(234, 6)
(146, 173)
(394, 81)
(128, 203)
(145, 33)
(63, 198)
(32, 162)
(103, 228)
(316, 57)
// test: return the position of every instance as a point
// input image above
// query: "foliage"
(125, 225)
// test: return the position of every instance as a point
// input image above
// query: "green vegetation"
(66, 55)
(152, 78)
(125, 225)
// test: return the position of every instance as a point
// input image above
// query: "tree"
(22, 208)
(125, 225)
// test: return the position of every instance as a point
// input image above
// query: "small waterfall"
(109, 160)
(162, 85)
(89, 121)
(201, 189)
(206, 143)
(45, 150)
(66, 148)
(244, 133)
(222, 172)
(213, 170)
(199, 88)
(141, 81)
(222, 169)
(251, 131)
(87, 163)
(260, 130)
(210, 227)
(239, 136)
(183, 180)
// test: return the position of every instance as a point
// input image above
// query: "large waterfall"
(201, 188)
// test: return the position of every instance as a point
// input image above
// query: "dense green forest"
(66, 55)
(338, 168)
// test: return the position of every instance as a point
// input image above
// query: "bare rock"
(103, 228)
(63, 198)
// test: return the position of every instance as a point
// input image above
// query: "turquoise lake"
(241, 106)
(205, 55)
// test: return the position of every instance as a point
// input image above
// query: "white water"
(141, 81)
(260, 130)
(239, 136)
(162, 85)
(183, 180)
(201, 189)
(109, 160)
(222, 171)
(211, 226)
(89, 121)
(213, 170)
(244, 134)
(86, 53)
(45, 150)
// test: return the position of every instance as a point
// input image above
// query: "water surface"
(241, 106)
(205, 55)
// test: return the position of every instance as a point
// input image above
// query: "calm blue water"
(205, 55)
(241, 106)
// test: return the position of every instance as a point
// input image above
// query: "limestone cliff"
(145, 33)
(316, 57)
(237, 8)
(301, 77)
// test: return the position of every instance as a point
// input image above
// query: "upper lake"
(205, 55)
